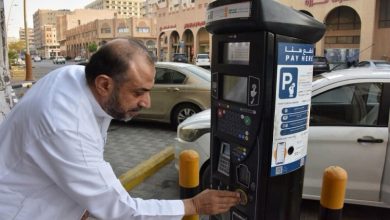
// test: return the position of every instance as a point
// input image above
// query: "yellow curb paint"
(138, 174)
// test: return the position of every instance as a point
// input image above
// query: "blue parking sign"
(288, 82)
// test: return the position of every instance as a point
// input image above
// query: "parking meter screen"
(236, 53)
(235, 89)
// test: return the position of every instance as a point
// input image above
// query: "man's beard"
(113, 107)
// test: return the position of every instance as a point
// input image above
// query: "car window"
(382, 64)
(168, 76)
(350, 105)
(177, 78)
(203, 56)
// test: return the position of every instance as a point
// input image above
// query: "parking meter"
(262, 53)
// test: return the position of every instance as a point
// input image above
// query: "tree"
(17, 46)
(92, 47)
(14, 49)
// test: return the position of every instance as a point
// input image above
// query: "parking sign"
(288, 83)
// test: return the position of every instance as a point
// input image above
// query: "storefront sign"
(168, 27)
(194, 24)
(311, 3)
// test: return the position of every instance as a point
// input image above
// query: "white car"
(77, 59)
(374, 64)
(37, 59)
(349, 127)
(59, 60)
(202, 60)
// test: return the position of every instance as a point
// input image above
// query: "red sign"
(195, 24)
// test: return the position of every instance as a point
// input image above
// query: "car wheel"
(183, 111)
(205, 174)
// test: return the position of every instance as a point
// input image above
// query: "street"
(130, 143)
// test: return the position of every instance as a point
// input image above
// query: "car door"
(169, 84)
(348, 128)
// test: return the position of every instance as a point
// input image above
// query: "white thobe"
(51, 157)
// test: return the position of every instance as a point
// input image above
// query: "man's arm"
(211, 202)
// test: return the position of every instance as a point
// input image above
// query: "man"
(51, 144)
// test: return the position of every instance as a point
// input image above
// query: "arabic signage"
(311, 3)
(168, 27)
(292, 106)
(194, 24)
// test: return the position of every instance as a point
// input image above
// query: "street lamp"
(9, 12)
(29, 76)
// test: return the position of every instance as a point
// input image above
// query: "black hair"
(112, 59)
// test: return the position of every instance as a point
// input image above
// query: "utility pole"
(29, 76)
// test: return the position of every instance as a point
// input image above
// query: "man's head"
(121, 75)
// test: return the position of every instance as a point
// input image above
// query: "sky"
(14, 11)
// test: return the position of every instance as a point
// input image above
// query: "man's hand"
(211, 202)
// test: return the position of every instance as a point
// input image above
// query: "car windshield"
(201, 72)
(382, 64)
(179, 55)
(203, 56)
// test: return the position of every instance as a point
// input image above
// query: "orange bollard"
(334, 183)
(189, 177)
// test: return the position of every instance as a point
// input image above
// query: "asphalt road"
(130, 143)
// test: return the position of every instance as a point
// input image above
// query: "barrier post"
(189, 177)
(333, 193)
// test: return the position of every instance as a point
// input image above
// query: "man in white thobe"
(52, 142)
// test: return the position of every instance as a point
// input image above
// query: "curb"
(23, 85)
(138, 174)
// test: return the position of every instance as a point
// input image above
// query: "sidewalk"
(18, 82)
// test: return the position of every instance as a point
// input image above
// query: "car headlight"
(190, 133)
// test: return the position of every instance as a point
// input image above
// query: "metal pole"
(27, 58)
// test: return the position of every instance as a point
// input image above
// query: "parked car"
(202, 60)
(180, 57)
(37, 59)
(59, 60)
(374, 64)
(77, 59)
(320, 65)
(349, 127)
(180, 91)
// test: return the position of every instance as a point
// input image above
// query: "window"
(342, 39)
(384, 14)
(123, 30)
(167, 76)
(143, 29)
(350, 105)
(105, 30)
(343, 18)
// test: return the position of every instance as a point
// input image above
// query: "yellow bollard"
(189, 177)
(334, 183)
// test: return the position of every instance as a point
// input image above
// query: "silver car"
(349, 127)
(180, 90)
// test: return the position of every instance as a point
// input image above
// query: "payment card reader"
(262, 55)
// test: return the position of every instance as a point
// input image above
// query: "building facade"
(181, 28)
(45, 40)
(77, 18)
(100, 31)
(22, 37)
(356, 29)
(126, 8)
